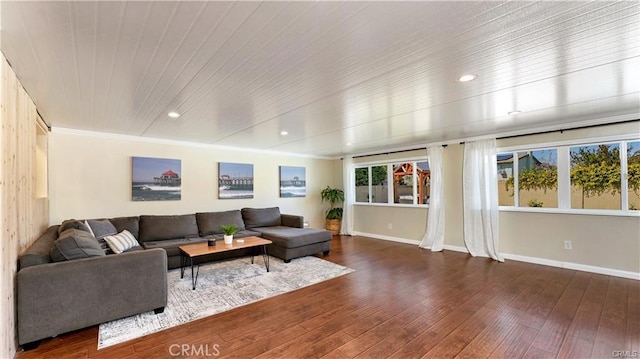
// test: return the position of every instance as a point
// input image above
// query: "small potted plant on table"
(229, 230)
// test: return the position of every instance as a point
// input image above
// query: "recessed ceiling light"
(467, 78)
(348, 143)
(514, 112)
(173, 114)
(283, 133)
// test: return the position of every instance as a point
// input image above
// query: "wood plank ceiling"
(339, 77)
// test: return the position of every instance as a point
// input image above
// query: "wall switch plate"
(389, 225)
(567, 245)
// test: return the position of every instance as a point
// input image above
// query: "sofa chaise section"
(290, 238)
(289, 243)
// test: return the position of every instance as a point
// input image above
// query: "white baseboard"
(526, 259)
(574, 266)
(387, 238)
(534, 260)
(456, 248)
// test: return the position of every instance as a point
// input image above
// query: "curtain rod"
(569, 129)
(565, 129)
(392, 152)
(512, 136)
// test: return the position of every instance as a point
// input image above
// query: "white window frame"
(389, 164)
(564, 175)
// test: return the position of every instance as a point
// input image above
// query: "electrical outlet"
(567, 245)
(389, 226)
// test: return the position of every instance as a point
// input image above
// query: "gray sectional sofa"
(58, 297)
(55, 297)
(290, 239)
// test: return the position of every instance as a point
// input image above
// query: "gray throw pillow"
(75, 244)
(73, 224)
(102, 228)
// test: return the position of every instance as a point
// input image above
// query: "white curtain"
(480, 193)
(349, 185)
(434, 235)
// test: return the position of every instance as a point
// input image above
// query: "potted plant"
(335, 197)
(229, 230)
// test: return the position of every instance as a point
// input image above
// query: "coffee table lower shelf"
(190, 251)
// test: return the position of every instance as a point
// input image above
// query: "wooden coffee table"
(191, 251)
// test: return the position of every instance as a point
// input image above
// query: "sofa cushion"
(134, 249)
(288, 237)
(160, 228)
(38, 253)
(210, 222)
(75, 244)
(101, 228)
(239, 234)
(261, 217)
(121, 242)
(171, 245)
(73, 224)
(131, 224)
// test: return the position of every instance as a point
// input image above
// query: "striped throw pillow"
(121, 242)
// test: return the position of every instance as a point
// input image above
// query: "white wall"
(90, 177)
(601, 241)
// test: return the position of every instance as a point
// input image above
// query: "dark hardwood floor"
(404, 302)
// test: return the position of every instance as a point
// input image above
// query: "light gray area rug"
(221, 286)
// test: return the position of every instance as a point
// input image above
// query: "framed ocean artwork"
(156, 179)
(293, 182)
(235, 180)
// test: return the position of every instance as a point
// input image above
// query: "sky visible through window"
(546, 156)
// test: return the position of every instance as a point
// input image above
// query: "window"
(505, 180)
(410, 183)
(379, 185)
(538, 178)
(633, 175)
(594, 176)
(362, 184)
(423, 173)
(403, 183)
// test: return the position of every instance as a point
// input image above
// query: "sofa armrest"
(59, 297)
(290, 220)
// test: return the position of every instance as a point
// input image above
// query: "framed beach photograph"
(235, 180)
(293, 182)
(156, 179)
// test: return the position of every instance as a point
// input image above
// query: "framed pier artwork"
(293, 182)
(235, 180)
(156, 179)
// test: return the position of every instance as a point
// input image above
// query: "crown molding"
(140, 139)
